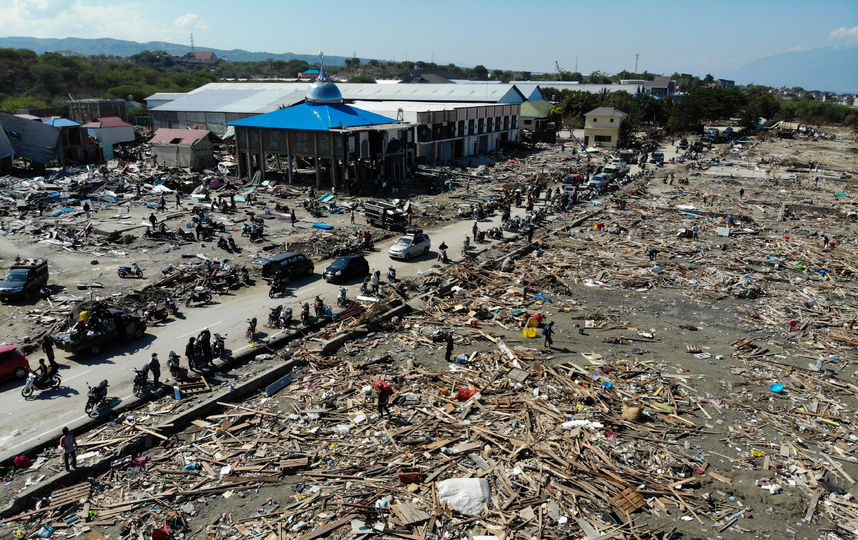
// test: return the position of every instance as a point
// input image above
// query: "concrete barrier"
(169, 427)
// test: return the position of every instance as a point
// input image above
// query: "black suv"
(346, 268)
(294, 265)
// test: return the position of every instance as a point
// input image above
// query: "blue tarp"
(322, 226)
(314, 117)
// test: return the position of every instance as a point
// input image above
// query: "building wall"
(212, 121)
(602, 131)
(112, 135)
(197, 157)
(465, 131)
(84, 111)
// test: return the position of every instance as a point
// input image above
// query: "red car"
(13, 363)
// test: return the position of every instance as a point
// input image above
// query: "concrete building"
(356, 146)
(534, 120)
(602, 127)
(632, 88)
(482, 116)
(186, 148)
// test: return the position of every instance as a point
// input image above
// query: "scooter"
(342, 301)
(245, 276)
(155, 314)
(285, 317)
(34, 383)
(278, 287)
(130, 271)
(171, 306)
(199, 294)
(141, 381)
(217, 346)
(391, 274)
(176, 371)
(274, 316)
(95, 396)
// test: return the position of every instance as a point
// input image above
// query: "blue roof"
(61, 122)
(312, 70)
(314, 117)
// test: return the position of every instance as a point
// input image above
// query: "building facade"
(602, 127)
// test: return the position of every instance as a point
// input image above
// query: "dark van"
(294, 265)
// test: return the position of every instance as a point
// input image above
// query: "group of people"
(199, 350)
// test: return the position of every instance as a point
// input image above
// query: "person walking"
(741, 193)
(293, 219)
(179, 200)
(352, 216)
(448, 339)
(155, 368)
(69, 446)
(530, 234)
(652, 252)
(825, 241)
(383, 391)
(162, 204)
(86, 208)
(48, 349)
(153, 220)
(191, 352)
(373, 281)
(205, 342)
(547, 331)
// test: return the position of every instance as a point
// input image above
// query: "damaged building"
(353, 144)
(187, 148)
(450, 121)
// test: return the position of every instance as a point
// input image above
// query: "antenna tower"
(636, 61)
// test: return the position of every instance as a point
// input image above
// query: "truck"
(100, 328)
(385, 215)
(616, 169)
(25, 279)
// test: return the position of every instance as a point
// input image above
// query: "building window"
(604, 138)
(612, 120)
(595, 119)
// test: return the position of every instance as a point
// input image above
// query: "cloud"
(191, 21)
(798, 48)
(844, 36)
(123, 19)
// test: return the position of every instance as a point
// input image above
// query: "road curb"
(169, 427)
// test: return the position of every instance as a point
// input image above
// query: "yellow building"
(602, 126)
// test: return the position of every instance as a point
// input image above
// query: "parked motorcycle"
(391, 274)
(176, 371)
(285, 318)
(199, 295)
(171, 306)
(274, 316)
(217, 346)
(95, 396)
(141, 381)
(153, 313)
(35, 383)
(130, 271)
(278, 287)
(342, 300)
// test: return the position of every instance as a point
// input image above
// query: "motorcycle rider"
(48, 349)
(251, 328)
(442, 252)
(170, 305)
(41, 372)
(341, 299)
(285, 317)
(191, 352)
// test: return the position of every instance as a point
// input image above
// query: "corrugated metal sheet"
(5, 146)
(31, 139)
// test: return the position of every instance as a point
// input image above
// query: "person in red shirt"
(383, 392)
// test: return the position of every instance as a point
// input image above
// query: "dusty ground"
(744, 431)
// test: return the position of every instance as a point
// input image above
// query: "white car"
(409, 246)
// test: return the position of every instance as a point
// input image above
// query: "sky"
(691, 36)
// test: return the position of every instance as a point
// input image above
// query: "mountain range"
(825, 68)
(121, 47)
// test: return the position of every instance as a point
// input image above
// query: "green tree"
(480, 73)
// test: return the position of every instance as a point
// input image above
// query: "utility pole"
(636, 61)
(192, 42)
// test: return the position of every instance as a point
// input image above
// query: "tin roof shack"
(85, 110)
(109, 131)
(40, 143)
(7, 154)
(186, 148)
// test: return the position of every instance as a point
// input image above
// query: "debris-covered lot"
(700, 384)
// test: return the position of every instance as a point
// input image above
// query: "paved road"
(26, 421)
